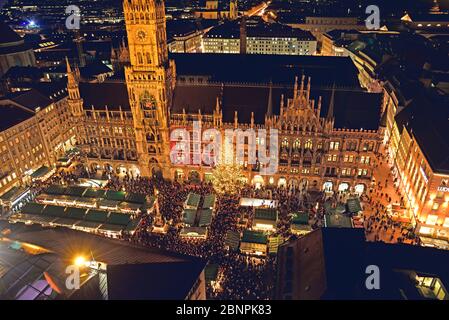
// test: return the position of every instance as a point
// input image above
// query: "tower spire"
(70, 74)
(69, 69)
(301, 90)
(295, 89)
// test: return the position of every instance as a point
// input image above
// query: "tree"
(227, 179)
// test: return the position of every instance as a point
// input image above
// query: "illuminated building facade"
(328, 135)
(318, 147)
(36, 131)
(421, 165)
(217, 9)
(258, 37)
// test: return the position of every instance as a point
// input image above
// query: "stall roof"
(88, 224)
(300, 218)
(135, 198)
(111, 227)
(189, 216)
(94, 193)
(55, 189)
(193, 200)
(96, 216)
(337, 221)
(14, 192)
(33, 208)
(66, 222)
(209, 201)
(108, 203)
(55, 211)
(115, 195)
(232, 239)
(130, 206)
(194, 231)
(132, 225)
(266, 214)
(120, 219)
(75, 191)
(254, 237)
(76, 213)
(42, 171)
(205, 217)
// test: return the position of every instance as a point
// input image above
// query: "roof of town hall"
(245, 88)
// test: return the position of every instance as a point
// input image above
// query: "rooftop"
(133, 272)
(12, 115)
(428, 121)
(330, 263)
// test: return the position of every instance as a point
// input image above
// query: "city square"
(224, 150)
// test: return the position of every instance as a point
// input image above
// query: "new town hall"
(329, 127)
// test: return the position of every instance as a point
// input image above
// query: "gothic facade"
(328, 135)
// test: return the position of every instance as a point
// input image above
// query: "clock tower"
(150, 79)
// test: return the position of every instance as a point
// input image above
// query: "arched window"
(308, 144)
(285, 143)
(139, 58)
(297, 144)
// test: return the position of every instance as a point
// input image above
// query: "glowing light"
(80, 261)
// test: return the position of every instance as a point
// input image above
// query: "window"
(334, 145)
(432, 219)
(308, 144)
(435, 206)
(297, 144)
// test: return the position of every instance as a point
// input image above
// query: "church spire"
(71, 81)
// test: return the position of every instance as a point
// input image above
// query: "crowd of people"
(242, 276)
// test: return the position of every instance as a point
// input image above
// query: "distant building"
(185, 36)
(13, 50)
(430, 22)
(258, 37)
(219, 9)
(318, 25)
(334, 42)
(335, 263)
